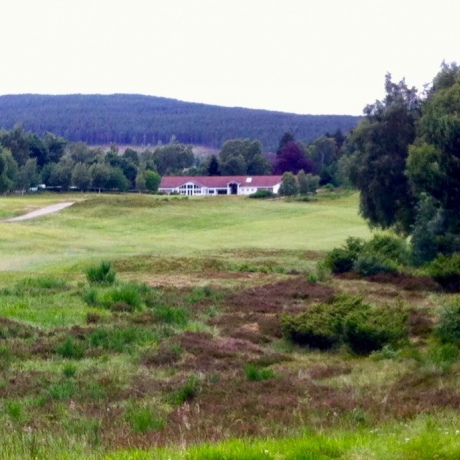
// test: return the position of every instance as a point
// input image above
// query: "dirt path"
(40, 212)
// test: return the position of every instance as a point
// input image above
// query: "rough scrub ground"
(193, 351)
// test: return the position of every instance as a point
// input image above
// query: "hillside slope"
(147, 120)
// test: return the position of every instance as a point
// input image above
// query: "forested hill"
(147, 120)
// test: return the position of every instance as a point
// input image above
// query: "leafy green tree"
(61, 175)
(100, 174)
(17, 141)
(81, 176)
(382, 140)
(308, 183)
(140, 179)
(325, 154)
(303, 183)
(173, 158)
(243, 156)
(27, 175)
(132, 156)
(259, 166)
(289, 185)
(55, 145)
(8, 170)
(433, 168)
(152, 181)
(80, 152)
(213, 166)
(117, 180)
(234, 166)
(38, 150)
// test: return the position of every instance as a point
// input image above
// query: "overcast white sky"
(303, 56)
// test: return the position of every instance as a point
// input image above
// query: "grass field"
(183, 356)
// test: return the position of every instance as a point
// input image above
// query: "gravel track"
(40, 212)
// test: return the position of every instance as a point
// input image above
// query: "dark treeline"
(148, 121)
(28, 161)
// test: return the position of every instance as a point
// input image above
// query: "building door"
(233, 189)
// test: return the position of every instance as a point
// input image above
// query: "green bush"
(70, 349)
(370, 329)
(368, 264)
(90, 297)
(257, 373)
(143, 419)
(62, 391)
(127, 293)
(262, 194)
(172, 315)
(120, 339)
(390, 247)
(101, 274)
(446, 271)
(347, 320)
(321, 326)
(341, 260)
(382, 254)
(187, 392)
(448, 327)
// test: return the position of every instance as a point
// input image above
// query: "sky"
(300, 56)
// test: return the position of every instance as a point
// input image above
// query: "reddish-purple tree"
(292, 159)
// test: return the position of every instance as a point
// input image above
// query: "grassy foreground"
(182, 357)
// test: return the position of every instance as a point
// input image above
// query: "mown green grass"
(109, 227)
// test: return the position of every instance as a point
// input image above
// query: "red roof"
(220, 181)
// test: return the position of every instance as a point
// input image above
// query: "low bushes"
(349, 321)
(446, 272)
(101, 274)
(263, 194)
(382, 254)
(448, 327)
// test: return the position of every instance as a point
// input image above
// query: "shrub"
(347, 320)
(446, 271)
(90, 297)
(263, 194)
(172, 315)
(127, 293)
(341, 260)
(187, 392)
(13, 409)
(321, 326)
(5, 357)
(257, 373)
(101, 274)
(382, 254)
(369, 264)
(62, 390)
(370, 329)
(448, 328)
(69, 370)
(143, 419)
(120, 339)
(391, 247)
(70, 349)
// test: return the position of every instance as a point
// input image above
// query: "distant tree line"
(27, 160)
(148, 121)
